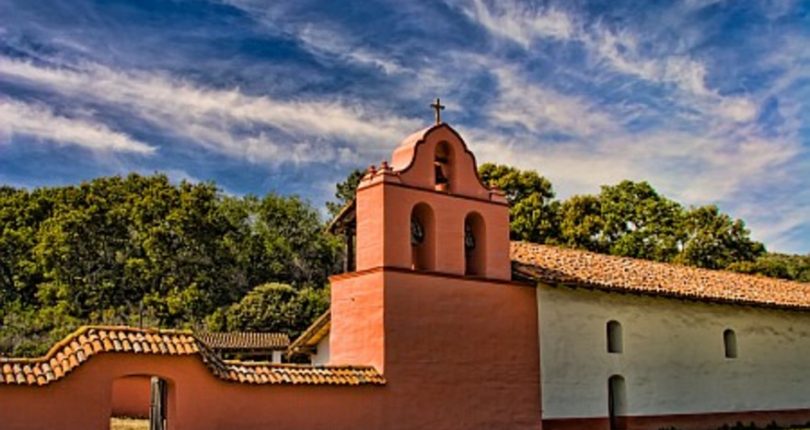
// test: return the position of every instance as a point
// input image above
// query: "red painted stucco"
(130, 396)
(487, 376)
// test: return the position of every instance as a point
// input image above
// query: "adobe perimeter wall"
(196, 399)
(130, 396)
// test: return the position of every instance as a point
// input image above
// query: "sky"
(707, 100)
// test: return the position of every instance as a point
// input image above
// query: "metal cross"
(438, 107)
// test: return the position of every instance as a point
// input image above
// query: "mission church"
(440, 322)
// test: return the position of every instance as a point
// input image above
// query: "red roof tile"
(557, 265)
(244, 340)
(75, 349)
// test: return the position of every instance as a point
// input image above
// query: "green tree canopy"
(533, 210)
(276, 307)
(140, 250)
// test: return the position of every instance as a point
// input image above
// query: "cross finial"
(438, 107)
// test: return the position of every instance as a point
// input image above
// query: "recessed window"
(614, 337)
(730, 343)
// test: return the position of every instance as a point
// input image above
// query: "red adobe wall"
(130, 396)
(197, 400)
(459, 353)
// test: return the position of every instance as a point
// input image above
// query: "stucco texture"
(673, 359)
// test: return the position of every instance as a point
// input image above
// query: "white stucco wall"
(673, 359)
(321, 355)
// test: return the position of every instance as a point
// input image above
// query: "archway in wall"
(139, 402)
(423, 238)
(474, 245)
(617, 402)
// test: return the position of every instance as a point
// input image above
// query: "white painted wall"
(673, 359)
(321, 356)
(276, 357)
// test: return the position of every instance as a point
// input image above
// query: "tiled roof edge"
(87, 341)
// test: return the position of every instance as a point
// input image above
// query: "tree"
(714, 240)
(533, 212)
(638, 222)
(276, 308)
(140, 249)
(345, 192)
(791, 267)
(582, 225)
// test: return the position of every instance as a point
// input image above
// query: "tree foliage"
(140, 250)
(275, 307)
(533, 210)
(345, 192)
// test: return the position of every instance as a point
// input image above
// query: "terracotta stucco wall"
(459, 353)
(196, 399)
(130, 396)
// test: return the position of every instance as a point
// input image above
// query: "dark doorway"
(616, 402)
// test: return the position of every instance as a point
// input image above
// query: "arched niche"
(615, 341)
(444, 167)
(617, 402)
(475, 245)
(423, 238)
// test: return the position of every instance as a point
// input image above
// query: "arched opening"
(423, 238)
(615, 343)
(617, 402)
(139, 402)
(475, 245)
(730, 343)
(443, 167)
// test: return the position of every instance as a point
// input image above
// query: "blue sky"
(707, 100)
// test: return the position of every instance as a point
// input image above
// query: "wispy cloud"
(41, 123)
(523, 22)
(542, 109)
(221, 120)
(282, 95)
(321, 41)
(618, 50)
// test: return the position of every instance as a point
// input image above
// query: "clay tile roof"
(244, 340)
(557, 265)
(81, 345)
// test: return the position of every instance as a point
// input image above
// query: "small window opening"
(614, 337)
(730, 343)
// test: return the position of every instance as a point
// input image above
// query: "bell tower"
(431, 303)
(429, 211)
